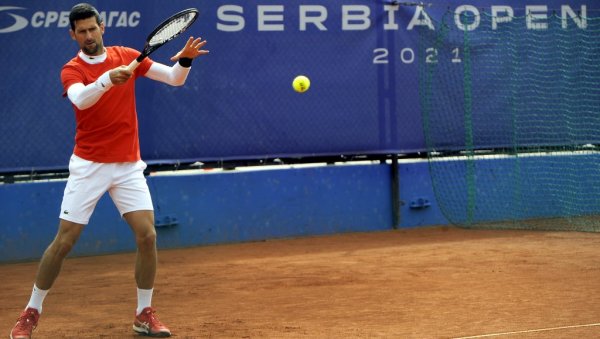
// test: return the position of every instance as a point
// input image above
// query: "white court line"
(527, 331)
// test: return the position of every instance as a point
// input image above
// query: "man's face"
(88, 35)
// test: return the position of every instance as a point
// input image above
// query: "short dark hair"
(83, 11)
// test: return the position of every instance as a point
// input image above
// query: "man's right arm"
(85, 96)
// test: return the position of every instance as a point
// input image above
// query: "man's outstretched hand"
(191, 50)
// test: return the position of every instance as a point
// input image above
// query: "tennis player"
(106, 158)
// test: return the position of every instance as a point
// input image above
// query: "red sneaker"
(25, 324)
(147, 323)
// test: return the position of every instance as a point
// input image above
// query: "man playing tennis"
(106, 158)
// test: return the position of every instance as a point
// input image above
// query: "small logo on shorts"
(65, 212)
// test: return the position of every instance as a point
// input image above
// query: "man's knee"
(145, 236)
(67, 236)
(142, 224)
(147, 239)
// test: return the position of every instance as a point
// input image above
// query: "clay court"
(417, 283)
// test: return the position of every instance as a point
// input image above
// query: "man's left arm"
(177, 74)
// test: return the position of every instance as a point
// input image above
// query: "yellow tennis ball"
(301, 84)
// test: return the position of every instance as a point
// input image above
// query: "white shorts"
(88, 181)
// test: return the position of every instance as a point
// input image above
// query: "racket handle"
(133, 65)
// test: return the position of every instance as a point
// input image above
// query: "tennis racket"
(165, 32)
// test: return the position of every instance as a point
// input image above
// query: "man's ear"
(102, 27)
(72, 34)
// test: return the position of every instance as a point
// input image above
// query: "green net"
(511, 115)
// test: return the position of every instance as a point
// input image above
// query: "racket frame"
(148, 48)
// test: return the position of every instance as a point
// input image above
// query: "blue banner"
(238, 102)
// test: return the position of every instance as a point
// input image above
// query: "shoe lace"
(27, 321)
(152, 317)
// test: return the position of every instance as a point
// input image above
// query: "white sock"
(37, 298)
(144, 299)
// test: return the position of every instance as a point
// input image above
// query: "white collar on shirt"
(96, 59)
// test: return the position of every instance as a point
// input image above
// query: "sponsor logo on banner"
(14, 19)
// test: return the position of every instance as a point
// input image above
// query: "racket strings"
(172, 29)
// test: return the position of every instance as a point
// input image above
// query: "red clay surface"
(420, 283)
